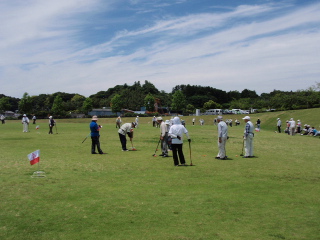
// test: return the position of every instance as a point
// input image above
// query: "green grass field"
(133, 195)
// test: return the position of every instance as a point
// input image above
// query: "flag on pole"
(34, 157)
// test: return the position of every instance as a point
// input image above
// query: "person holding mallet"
(126, 128)
(95, 135)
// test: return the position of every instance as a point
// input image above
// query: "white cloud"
(229, 50)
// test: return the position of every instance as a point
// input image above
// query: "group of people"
(171, 136)
(311, 131)
(295, 127)
(25, 123)
(223, 137)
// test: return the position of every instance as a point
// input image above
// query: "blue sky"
(86, 46)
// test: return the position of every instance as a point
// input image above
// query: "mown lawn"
(133, 195)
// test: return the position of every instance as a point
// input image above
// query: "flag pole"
(38, 174)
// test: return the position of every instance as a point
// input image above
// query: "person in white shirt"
(34, 119)
(126, 128)
(118, 122)
(292, 126)
(2, 118)
(248, 137)
(222, 138)
(137, 121)
(279, 125)
(298, 126)
(25, 123)
(163, 137)
(176, 133)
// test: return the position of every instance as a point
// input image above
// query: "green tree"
(149, 102)
(57, 106)
(5, 104)
(178, 101)
(87, 105)
(25, 104)
(148, 87)
(246, 93)
(211, 105)
(116, 103)
(77, 102)
(190, 109)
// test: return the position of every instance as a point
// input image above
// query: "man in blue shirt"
(95, 135)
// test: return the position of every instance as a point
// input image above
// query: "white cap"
(167, 122)
(246, 118)
(24, 115)
(159, 118)
(220, 117)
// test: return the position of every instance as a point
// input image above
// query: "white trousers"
(25, 127)
(222, 147)
(248, 145)
(292, 131)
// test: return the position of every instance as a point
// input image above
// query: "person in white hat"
(169, 139)
(51, 124)
(118, 122)
(248, 137)
(279, 125)
(222, 138)
(292, 126)
(95, 135)
(163, 137)
(154, 121)
(298, 126)
(176, 133)
(25, 123)
(126, 128)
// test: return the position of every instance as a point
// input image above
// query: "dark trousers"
(123, 141)
(50, 130)
(279, 129)
(95, 143)
(177, 151)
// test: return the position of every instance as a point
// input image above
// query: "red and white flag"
(34, 157)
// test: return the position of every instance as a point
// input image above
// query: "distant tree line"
(183, 99)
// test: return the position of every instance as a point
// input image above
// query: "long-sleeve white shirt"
(222, 129)
(177, 129)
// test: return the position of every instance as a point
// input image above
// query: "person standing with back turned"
(222, 138)
(248, 137)
(176, 132)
